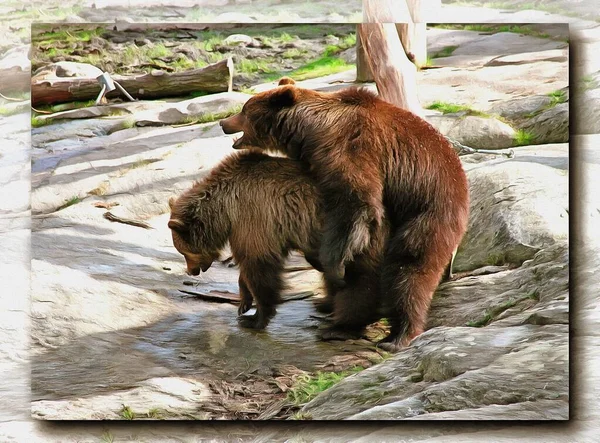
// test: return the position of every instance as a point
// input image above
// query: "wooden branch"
(217, 77)
(394, 74)
(140, 224)
(215, 297)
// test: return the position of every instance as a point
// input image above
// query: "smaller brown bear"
(265, 207)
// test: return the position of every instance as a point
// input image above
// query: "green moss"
(558, 96)
(309, 386)
(523, 138)
(489, 28)
(72, 201)
(444, 52)
(317, 68)
(492, 313)
(214, 116)
(451, 108)
(127, 413)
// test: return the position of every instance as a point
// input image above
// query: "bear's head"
(260, 117)
(187, 234)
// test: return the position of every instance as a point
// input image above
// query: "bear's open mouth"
(238, 142)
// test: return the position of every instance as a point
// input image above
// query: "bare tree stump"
(217, 77)
(394, 74)
(414, 39)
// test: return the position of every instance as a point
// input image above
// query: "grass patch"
(301, 416)
(523, 138)
(72, 201)
(127, 413)
(534, 295)
(325, 65)
(309, 386)
(247, 66)
(452, 108)
(516, 29)
(37, 122)
(346, 42)
(586, 83)
(558, 96)
(444, 52)
(107, 437)
(68, 35)
(213, 116)
(492, 313)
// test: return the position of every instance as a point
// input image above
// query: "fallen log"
(157, 84)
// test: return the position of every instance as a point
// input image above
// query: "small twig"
(216, 298)
(114, 218)
(298, 268)
(463, 149)
(41, 112)
(105, 205)
(10, 99)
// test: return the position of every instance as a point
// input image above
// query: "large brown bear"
(369, 158)
(265, 207)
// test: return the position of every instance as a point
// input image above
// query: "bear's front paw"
(245, 306)
(255, 321)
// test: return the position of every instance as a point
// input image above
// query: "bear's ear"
(286, 81)
(176, 225)
(284, 97)
(204, 195)
(172, 201)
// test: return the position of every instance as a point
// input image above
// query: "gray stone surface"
(476, 132)
(549, 126)
(518, 206)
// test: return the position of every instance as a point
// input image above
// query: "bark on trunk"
(394, 73)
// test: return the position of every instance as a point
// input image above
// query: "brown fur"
(369, 158)
(264, 207)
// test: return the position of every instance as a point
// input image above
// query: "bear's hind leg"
(414, 262)
(263, 279)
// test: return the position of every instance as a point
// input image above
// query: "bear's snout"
(231, 125)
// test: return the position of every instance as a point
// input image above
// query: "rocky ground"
(115, 336)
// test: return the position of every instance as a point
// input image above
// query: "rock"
(535, 293)
(588, 122)
(550, 126)
(451, 369)
(520, 107)
(66, 69)
(238, 39)
(554, 55)
(349, 55)
(233, 17)
(476, 132)
(183, 111)
(518, 207)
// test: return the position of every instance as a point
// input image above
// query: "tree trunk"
(363, 70)
(385, 11)
(217, 77)
(394, 74)
(413, 38)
